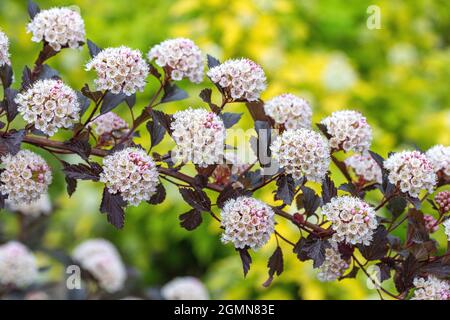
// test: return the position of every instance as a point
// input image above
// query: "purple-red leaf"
(275, 265)
(197, 199)
(159, 196)
(246, 260)
(112, 205)
(191, 219)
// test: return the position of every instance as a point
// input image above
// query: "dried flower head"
(4, 49)
(109, 127)
(49, 104)
(365, 167)
(184, 288)
(431, 288)
(37, 208)
(18, 265)
(290, 111)
(439, 156)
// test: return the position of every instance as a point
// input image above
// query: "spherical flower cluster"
(365, 167)
(352, 219)
(184, 288)
(430, 223)
(60, 27)
(49, 105)
(101, 259)
(181, 58)
(131, 172)
(233, 166)
(119, 70)
(26, 176)
(4, 50)
(17, 265)
(109, 127)
(334, 266)
(37, 208)
(446, 224)
(411, 171)
(289, 110)
(439, 156)
(431, 288)
(349, 130)
(241, 79)
(199, 135)
(247, 222)
(443, 200)
(302, 152)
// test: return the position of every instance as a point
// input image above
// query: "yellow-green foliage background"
(322, 50)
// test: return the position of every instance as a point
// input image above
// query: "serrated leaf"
(83, 101)
(71, 185)
(10, 142)
(246, 260)
(112, 205)
(212, 62)
(163, 118)
(48, 72)
(310, 200)
(111, 101)
(82, 171)
(33, 9)
(93, 48)
(417, 231)
(159, 195)
(80, 145)
(157, 132)
(378, 247)
(351, 275)
(285, 189)
(197, 199)
(311, 248)
(275, 265)
(93, 95)
(329, 190)
(230, 119)
(191, 219)
(173, 93)
(26, 78)
(396, 206)
(348, 187)
(6, 75)
(205, 95)
(9, 104)
(406, 273)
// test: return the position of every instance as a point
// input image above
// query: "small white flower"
(109, 127)
(349, 130)
(185, 288)
(119, 70)
(49, 105)
(431, 288)
(334, 266)
(241, 79)
(411, 171)
(446, 224)
(365, 167)
(60, 27)
(103, 262)
(25, 178)
(439, 156)
(4, 50)
(302, 152)
(131, 172)
(289, 110)
(352, 219)
(37, 208)
(199, 135)
(247, 222)
(443, 200)
(180, 57)
(18, 265)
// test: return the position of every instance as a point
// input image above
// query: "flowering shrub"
(341, 230)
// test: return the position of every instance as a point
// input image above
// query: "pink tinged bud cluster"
(25, 178)
(446, 224)
(302, 152)
(132, 173)
(430, 223)
(352, 219)
(443, 200)
(18, 265)
(241, 79)
(411, 171)
(289, 110)
(185, 288)
(431, 288)
(247, 222)
(109, 126)
(439, 156)
(365, 167)
(119, 70)
(101, 259)
(60, 27)
(49, 105)
(199, 136)
(349, 130)
(334, 266)
(180, 57)
(40, 207)
(4, 50)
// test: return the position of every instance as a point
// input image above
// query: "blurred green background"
(397, 76)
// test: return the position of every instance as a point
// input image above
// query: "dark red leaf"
(159, 196)
(275, 265)
(329, 190)
(112, 205)
(285, 189)
(246, 260)
(191, 219)
(197, 199)
(378, 248)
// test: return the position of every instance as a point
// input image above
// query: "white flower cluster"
(101, 259)
(181, 57)
(184, 288)
(289, 110)
(132, 173)
(302, 152)
(109, 126)
(349, 130)
(431, 288)
(49, 105)
(119, 70)
(411, 171)
(247, 222)
(60, 27)
(365, 167)
(37, 208)
(241, 79)
(430, 223)
(446, 224)
(18, 265)
(26, 176)
(199, 135)
(443, 200)
(334, 266)
(4, 50)
(439, 156)
(352, 219)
